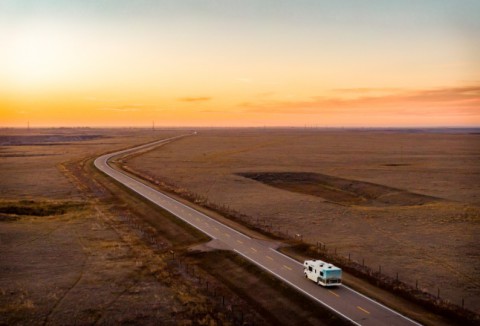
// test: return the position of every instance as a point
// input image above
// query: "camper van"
(322, 273)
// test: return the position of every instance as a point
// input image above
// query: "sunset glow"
(240, 63)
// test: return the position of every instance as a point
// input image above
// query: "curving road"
(346, 302)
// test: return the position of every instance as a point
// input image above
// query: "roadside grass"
(454, 314)
(173, 229)
(150, 232)
(277, 303)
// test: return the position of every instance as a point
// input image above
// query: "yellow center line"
(287, 267)
(365, 311)
(197, 219)
(227, 235)
(269, 257)
(253, 249)
(333, 293)
(216, 229)
(239, 241)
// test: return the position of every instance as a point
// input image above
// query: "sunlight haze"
(240, 63)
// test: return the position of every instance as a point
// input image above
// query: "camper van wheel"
(318, 281)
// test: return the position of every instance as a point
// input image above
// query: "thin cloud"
(456, 100)
(363, 90)
(195, 99)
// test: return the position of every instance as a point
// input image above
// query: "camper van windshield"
(333, 273)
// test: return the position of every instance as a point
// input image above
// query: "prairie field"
(65, 257)
(79, 249)
(403, 201)
(30, 160)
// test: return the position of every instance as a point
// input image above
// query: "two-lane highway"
(344, 301)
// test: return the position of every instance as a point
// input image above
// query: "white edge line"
(158, 193)
(358, 293)
(297, 288)
(144, 195)
(151, 200)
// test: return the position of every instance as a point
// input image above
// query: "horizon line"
(242, 127)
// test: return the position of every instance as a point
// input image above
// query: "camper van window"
(310, 268)
(321, 273)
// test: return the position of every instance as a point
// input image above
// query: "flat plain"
(403, 201)
(76, 248)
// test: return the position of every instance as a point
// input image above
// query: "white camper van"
(322, 273)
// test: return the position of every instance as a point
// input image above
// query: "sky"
(345, 63)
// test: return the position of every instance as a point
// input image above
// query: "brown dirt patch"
(339, 190)
(36, 208)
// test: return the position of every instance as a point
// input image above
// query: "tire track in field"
(80, 276)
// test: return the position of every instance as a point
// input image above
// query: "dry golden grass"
(29, 160)
(67, 256)
(435, 243)
(79, 249)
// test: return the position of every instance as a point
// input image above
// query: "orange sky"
(247, 63)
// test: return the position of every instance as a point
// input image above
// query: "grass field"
(407, 201)
(79, 249)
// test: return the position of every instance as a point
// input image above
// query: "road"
(346, 302)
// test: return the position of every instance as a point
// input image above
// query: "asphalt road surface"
(344, 301)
